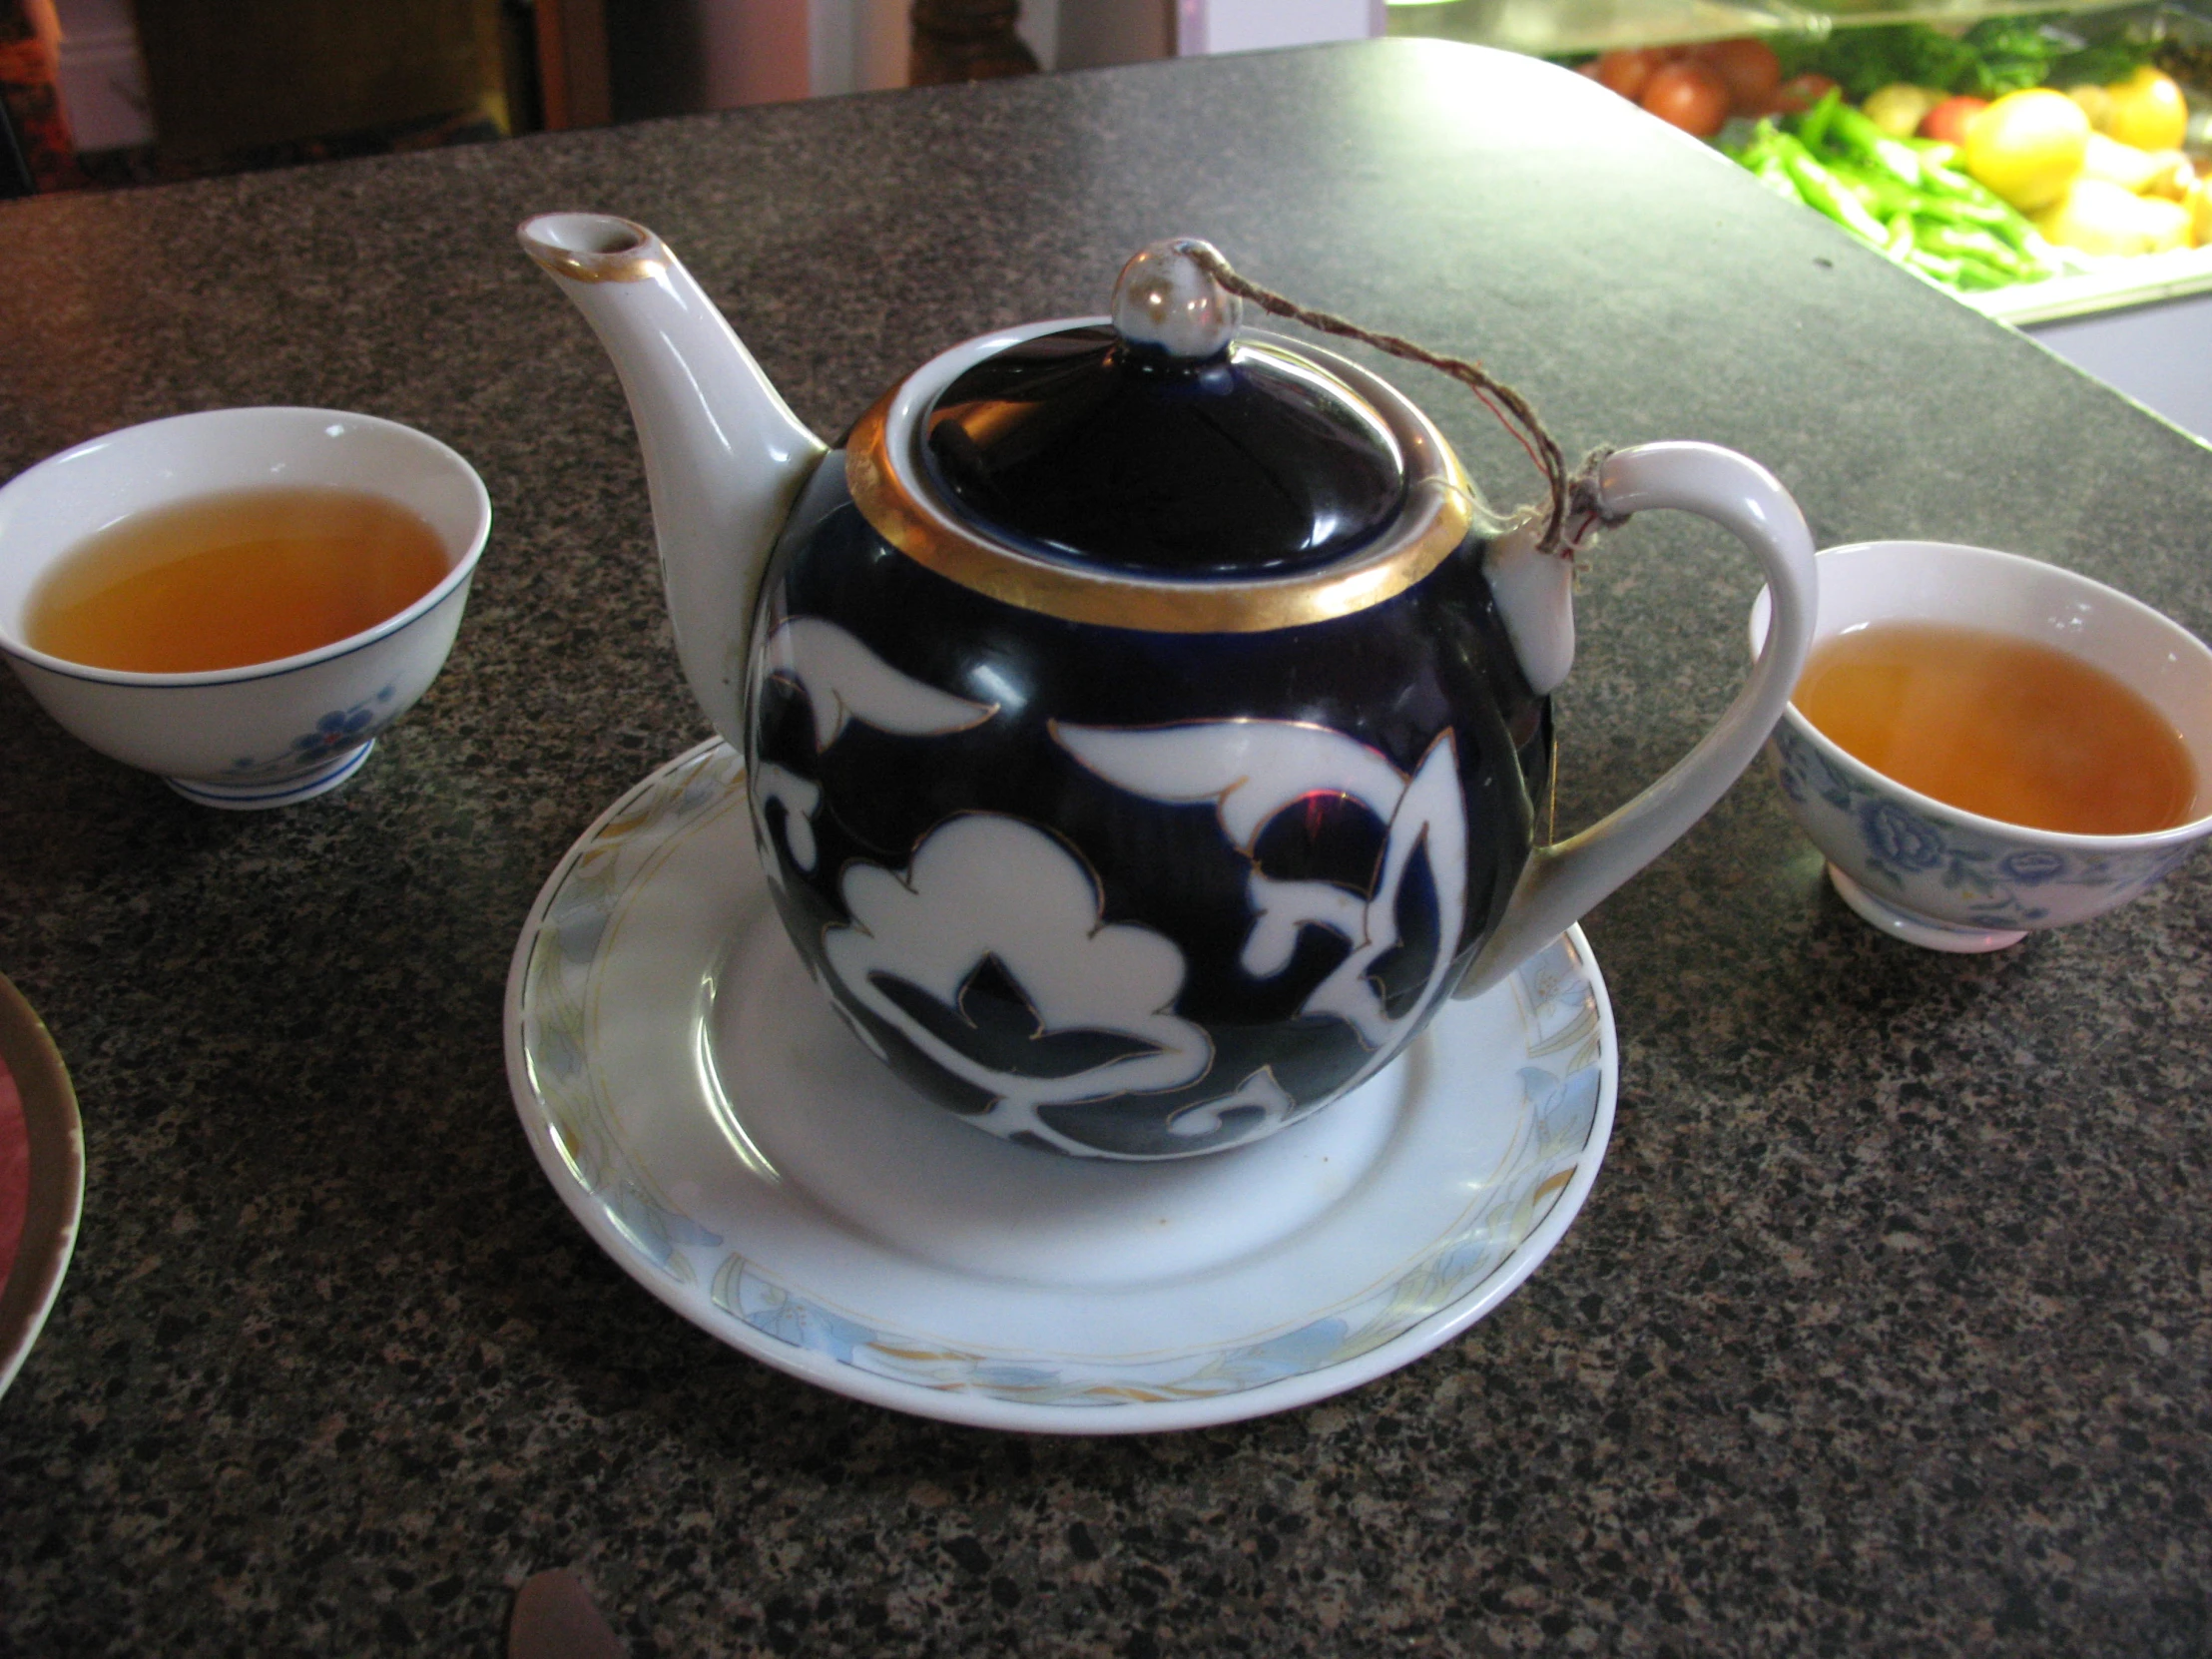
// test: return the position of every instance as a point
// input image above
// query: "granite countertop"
(1886, 1328)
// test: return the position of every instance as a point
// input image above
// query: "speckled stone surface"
(1886, 1330)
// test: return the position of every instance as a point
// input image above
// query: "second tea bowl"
(1932, 874)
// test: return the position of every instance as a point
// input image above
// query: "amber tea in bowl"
(236, 578)
(2007, 728)
(239, 601)
(1983, 744)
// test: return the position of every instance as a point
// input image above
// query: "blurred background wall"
(161, 88)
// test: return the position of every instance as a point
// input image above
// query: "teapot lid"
(1163, 442)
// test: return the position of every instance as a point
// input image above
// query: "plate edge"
(54, 1208)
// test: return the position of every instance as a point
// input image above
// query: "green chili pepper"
(1758, 148)
(1851, 130)
(1761, 156)
(1975, 277)
(1775, 177)
(1988, 211)
(1963, 272)
(1939, 167)
(1967, 201)
(1763, 135)
(1931, 151)
(1977, 244)
(1883, 194)
(1944, 269)
(1991, 216)
(1949, 180)
(2016, 234)
(1812, 127)
(1830, 194)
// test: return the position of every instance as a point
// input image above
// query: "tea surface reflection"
(235, 578)
(2008, 729)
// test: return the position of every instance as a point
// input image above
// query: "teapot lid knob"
(1165, 300)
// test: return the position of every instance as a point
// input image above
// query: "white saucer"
(720, 1132)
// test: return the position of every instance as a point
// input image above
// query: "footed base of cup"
(1914, 928)
(251, 797)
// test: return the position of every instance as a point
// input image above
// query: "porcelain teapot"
(1144, 717)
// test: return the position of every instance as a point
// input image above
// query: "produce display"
(2008, 152)
(1902, 195)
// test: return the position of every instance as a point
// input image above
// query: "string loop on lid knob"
(1573, 495)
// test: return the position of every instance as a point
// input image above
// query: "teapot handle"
(1562, 882)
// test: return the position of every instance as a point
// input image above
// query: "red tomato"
(1797, 94)
(1689, 95)
(1947, 122)
(1627, 73)
(1748, 66)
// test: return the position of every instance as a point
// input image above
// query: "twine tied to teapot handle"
(1575, 509)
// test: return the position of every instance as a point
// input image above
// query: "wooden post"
(967, 40)
(573, 86)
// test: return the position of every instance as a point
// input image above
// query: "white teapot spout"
(723, 455)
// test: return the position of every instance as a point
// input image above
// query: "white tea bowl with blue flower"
(1950, 880)
(266, 734)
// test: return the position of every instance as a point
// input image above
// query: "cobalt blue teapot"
(1143, 714)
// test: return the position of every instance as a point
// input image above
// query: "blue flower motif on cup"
(1791, 780)
(2162, 864)
(337, 730)
(1804, 773)
(1896, 839)
(2033, 866)
(333, 733)
(1959, 875)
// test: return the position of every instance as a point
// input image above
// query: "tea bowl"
(267, 733)
(1932, 874)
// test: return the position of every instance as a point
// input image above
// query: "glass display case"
(1568, 28)
(2141, 321)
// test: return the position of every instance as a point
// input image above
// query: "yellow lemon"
(2028, 146)
(2147, 111)
(2095, 102)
